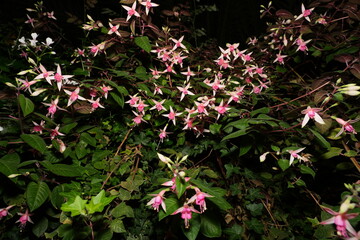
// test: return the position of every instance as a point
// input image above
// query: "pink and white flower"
(158, 200)
(199, 199)
(311, 113)
(294, 154)
(186, 213)
(131, 11)
(25, 217)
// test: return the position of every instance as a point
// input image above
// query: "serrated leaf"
(143, 42)
(64, 170)
(255, 209)
(34, 141)
(36, 194)
(76, 207)
(9, 164)
(26, 105)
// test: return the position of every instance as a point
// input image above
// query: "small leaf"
(143, 42)
(98, 202)
(321, 139)
(181, 185)
(283, 164)
(119, 100)
(117, 226)
(235, 134)
(255, 209)
(36, 194)
(122, 210)
(306, 170)
(88, 139)
(34, 141)
(26, 105)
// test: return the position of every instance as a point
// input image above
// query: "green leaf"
(255, 209)
(56, 199)
(210, 225)
(76, 207)
(172, 204)
(66, 128)
(9, 164)
(283, 164)
(143, 42)
(99, 155)
(88, 139)
(34, 141)
(118, 99)
(98, 202)
(104, 235)
(40, 227)
(333, 152)
(321, 139)
(36, 194)
(256, 225)
(117, 226)
(306, 170)
(215, 128)
(235, 134)
(26, 105)
(216, 192)
(193, 231)
(264, 110)
(63, 169)
(181, 185)
(122, 210)
(239, 124)
(234, 233)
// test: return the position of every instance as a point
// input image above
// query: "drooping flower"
(25, 217)
(138, 118)
(188, 74)
(38, 127)
(221, 109)
(311, 113)
(95, 104)
(158, 105)
(184, 91)
(341, 220)
(294, 154)
(114, 29)
(45, 74)
(178, 43)
(163, 134)
(172, 115)
(74, 96)
(158, 200)
(106, 90)
(59, 78)
(346, 126)
(4, 211)
(26, 84)
(53, 106)
(55, 132)
(305, 13)
(199, 199)
(186, 213)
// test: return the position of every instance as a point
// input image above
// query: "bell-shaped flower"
(55, 132)
(294, 154)
(346, 126)
(158, 200)
(45, 74)
(311, 113)
(73, 96)
(4, 211)
(172, 115)
(59, 78)
(199, 199)
(25, 217)
(186, 213)
(341, 220)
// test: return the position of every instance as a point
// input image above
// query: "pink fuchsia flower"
(294, 154)
(155, 73)
(172, 183)
(45, 74)
(221, 109)
(95, 104)
(280, 58)
(189, 122)
(50, 15)
(73, 96)
(133, 100)
(172, 115)
(311, 113)
(138, 118)
(114, 29)
(38, 127)
(341, 220)
(141, 106)
(199, 199)
(58, 77)
(201, 107)
(186, 213)
(55, 132)
(106, 90)
(305, 13)
(95, 49)
(178, 43)
(148, 5)
(25, 217)
(53, 106)
(131, 11)
(232, 47)
(188, 74)
(163, 134)
(302, 44)
(158, 105)
(158, 200)
(184, 91)
(4, 211)
(346, 126)
(26, 84)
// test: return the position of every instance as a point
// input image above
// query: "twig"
(281, 104)
(353, 160)
(271, 216)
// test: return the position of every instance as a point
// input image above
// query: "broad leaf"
(193, 231)
(143, 42)
(321, 139)
(34, 141)
(36, 194)
(210, 225)
(63, 169)
(172, 204)
(40, 227)
(88, 139)
(26, 105)
(98, 202)
(122, 210)
(9, 164)
(76, 207)
(117, 226)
